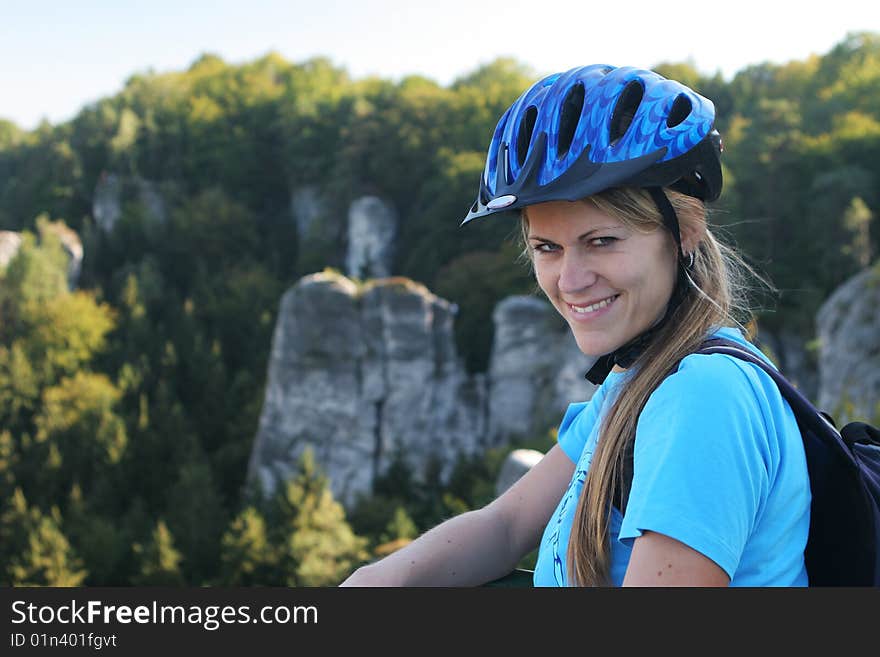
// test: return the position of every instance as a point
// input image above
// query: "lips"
(593, 306)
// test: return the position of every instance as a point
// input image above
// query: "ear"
(693, 232)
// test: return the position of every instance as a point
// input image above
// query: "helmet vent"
(524, 136)
(626, 108)
(681, 109)
(569, 118)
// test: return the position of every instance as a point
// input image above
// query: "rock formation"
(72, 247)
(10, 241)
(107, 201)
(113, 190)
(372, 226)
(793, 360)
(535, 369)
(848, 328)
(361, 375)
(307, 211)
(517, 463)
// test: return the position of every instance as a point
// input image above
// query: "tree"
(476, 281)
(247, 556)
(196, 518)
(159, 560)
(103, 543)
(36, 274)
(36, 551)
(399, 527)
(78, 422)
(317, 546)
(857, 220)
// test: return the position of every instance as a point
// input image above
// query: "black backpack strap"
(807, 415)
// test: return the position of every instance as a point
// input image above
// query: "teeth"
(594, 307)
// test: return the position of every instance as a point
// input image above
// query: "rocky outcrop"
(363, 375)
(515, 465)
(372, 226)
(10, 241)
(848, 328)
(107, 201)
(535, 370)
(73, 247)
(307, 211)
(359, 240)
(113, 190)
(793, 359)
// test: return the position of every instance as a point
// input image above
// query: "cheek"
(544, 277)
(662, 281)
(650, 277)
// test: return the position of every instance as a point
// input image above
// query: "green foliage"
(55, 331)
(103, 543)
(34, 549)
(36, 274)
(318, 547)
(19, 386)
(857, 220)
(247, 556)
(77, 417)
(159, 560)
(10, 134)
(476, 282)
(196, 518)
(400, 526)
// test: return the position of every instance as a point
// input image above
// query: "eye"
(602, 241)
(545, 247)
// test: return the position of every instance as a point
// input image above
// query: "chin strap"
(625, 356)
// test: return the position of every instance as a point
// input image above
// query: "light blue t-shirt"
(718, 464)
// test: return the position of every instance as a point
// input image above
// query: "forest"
(129, 404)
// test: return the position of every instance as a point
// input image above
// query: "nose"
(576, 273)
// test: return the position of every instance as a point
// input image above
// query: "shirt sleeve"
(577, 423)
(701, 465)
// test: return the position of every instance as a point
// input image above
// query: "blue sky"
(58, 56)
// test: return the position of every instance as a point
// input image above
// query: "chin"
(595, 348)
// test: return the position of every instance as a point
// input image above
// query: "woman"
(682, 469)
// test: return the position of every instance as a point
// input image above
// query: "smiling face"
(608, 280)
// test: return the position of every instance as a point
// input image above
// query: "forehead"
(564, 218)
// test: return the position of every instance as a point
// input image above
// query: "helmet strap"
(670, 219)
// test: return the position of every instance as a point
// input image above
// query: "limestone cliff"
(848, 328)
(359, 374)
(113, 190)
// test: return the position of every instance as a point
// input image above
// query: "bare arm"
(658, 560)
(478, 546)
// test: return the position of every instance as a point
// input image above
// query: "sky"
(58, 56)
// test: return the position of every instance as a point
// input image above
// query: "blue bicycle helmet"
(577, 133)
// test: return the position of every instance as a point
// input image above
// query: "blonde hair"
(715, 294)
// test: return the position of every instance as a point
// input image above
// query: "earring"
(690, 264)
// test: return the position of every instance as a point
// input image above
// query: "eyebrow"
(580, 237)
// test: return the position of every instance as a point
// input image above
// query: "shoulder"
(718, 391)
(710, 378)
(722, 380)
